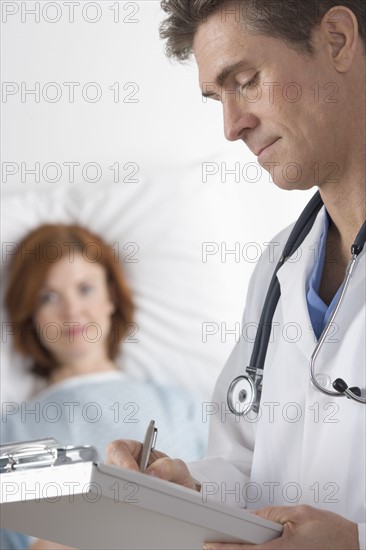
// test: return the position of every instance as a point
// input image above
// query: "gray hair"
(290, 20)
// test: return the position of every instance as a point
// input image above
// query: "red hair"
(34, 256)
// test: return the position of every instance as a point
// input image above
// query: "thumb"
(174, 470)
(278, 514)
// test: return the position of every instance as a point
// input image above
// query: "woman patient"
(71, 309)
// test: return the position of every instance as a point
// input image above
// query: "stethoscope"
(244, 392)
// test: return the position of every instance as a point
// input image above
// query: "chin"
(293, 186)
(302, 183)
(72, 352)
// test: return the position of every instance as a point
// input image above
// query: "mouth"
(265, 149)
(74, 331)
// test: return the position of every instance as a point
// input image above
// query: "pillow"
(167, 231)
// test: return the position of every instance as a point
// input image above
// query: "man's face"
(272, 94)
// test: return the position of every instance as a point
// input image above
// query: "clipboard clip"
(42, 453)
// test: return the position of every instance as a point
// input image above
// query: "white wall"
(168, 124)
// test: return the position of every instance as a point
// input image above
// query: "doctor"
(290, 76)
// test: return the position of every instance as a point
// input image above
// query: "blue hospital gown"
(98, 408)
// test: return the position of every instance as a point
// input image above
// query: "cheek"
(48, 330)
(41, 318)
(103, 316)
(103, 307)
(111, 308)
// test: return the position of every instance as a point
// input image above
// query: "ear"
(339, 27)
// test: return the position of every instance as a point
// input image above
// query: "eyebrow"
(221, 78)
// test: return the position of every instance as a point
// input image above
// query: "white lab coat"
(304, 447)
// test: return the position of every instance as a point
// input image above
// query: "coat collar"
(294, 277)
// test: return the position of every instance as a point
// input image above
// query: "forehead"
(73, 266)
(223, 41)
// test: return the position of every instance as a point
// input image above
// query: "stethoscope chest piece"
(241, 395)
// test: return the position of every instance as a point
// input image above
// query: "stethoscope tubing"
(347, 393)
(297, 236)
(254, 372)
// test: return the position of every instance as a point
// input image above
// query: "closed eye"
(251, 83)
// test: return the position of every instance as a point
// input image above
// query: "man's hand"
(126, 453)
(304, 528)
(47, 545)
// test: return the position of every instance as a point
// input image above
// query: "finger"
(288, 515)
(174, 470)
(124, 453)
(277, 544)
(155, 455)
(279, 514)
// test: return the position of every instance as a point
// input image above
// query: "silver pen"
(148, 445)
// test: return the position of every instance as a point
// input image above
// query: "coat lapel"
(293, 278)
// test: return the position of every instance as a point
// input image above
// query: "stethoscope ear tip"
(340, 386)
(356, 390)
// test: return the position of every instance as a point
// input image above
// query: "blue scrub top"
(319, 311)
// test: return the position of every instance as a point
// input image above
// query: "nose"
(238, 120)
(71, 306)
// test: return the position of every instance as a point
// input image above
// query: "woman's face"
(73, 316)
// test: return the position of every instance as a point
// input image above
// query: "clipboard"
(42, 453)
(86, 504)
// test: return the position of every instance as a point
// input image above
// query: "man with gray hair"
(290, 75)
